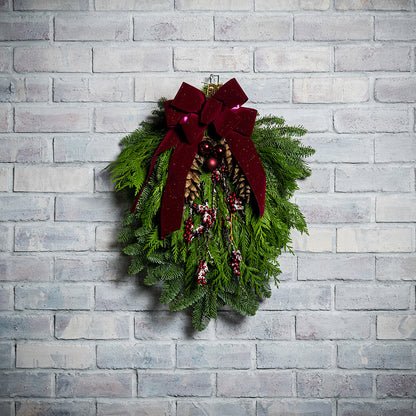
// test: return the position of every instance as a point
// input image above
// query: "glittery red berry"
(204, 148)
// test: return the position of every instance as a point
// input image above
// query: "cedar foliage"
(260, 239)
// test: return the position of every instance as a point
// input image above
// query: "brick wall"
(80, 337)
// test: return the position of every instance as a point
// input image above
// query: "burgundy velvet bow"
(187, 116)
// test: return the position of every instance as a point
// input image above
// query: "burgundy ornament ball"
(211, 163)
(204, 148)
(219, 151)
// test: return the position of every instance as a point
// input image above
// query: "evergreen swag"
(231, 259)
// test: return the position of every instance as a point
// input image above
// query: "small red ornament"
(211, 164)
(204, 148)
(219, 151)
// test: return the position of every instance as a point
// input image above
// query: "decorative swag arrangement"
(212, 209)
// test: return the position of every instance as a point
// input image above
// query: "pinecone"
(242, 187)
(192, 180)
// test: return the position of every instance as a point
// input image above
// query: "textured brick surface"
(79, 336)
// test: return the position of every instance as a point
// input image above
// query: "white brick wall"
(80, 337)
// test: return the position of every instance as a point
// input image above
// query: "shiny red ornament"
(204, 148)
(211, 164)
(219, 151)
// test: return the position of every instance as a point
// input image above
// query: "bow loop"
(188, 99)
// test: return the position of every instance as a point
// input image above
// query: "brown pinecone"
(192, 180)
(242, 187)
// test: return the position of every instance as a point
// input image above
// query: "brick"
(219, 59)
(379, 408)
(253, 28)
(293, 59)
(267, 90)
(213, 5)
(106, 238)
(4, 179)
(312, 120)
(288, 5)
(18, 28)
(395, 28)
(395, 90)
(334, 325)
(330, 90)
(55, 356)
(355, 240)
(22, 384)
(331, 28)
(93, 28)
(339, 267)
(103, 89)
(396, 385)
(267, 407)
(372, 5)
(24, 149)
(84, 326)
(175, 384)
(5, 238)
(51, 119)
(264, 325)
(67, 408)
(4, 5)
(130, 408)
(173, 27)
(24, 89)
(5, 59)
(51, 179)
(53, 297)
(344, 149)
(299, 354)
(6, 298)
(323, 384)
(5, 118)
(294, 296)
(372, 178)
(25, 327)
(395, 209)
(372, 297)
(259, 384)
(123, 297)
(396, 327)
(395, 148)
(26, 208)
(319, 181)
(213, 408)
(372, 120)
(128, 59)
(223, 355)
(366, 58)
(375, 356)
(318, 240)
(170, 326)
(108, 385)
(54, 237)
(52, 59)
(133, 5)
(6, 355)
(118, 356)
(152, 88)
(90, 268)
(74, 149)
(7, 408)
(326, 210)
(395, 268)
(87, 208)
(50, 5)
(119, 119)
